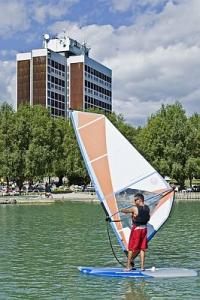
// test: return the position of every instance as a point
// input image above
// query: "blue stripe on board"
(113, 272)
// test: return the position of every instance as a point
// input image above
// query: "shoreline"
(30, 199)
(77, 197)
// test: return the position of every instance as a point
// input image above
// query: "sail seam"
(99, 157)
(89, 123)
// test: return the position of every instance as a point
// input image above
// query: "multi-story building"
(62, 76)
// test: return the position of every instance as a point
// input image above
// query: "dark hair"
(139, 196)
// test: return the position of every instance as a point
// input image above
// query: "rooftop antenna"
(64, 34)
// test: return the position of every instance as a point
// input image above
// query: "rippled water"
(42, 245)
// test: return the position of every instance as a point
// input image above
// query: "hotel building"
(62, 76)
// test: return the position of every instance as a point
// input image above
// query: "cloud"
(154, 61)
(8, 82)
(118, 5)
(4, 53)
(42, 11)
(135, 5)
(19, 15)
(13, 17)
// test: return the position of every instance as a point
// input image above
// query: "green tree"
(192, 168)
(62, 129)
(193, 141)
(22, 131)
(42, 147)
(6, 141)
(163, 141)
(75, 168)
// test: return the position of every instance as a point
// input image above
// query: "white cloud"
(51, 9)
(118, 5)
(13, 17)
(156, 60)
(5, 52)
(8, 82)
(134, 5)
(18, 15)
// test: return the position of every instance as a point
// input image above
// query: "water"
(42, 245)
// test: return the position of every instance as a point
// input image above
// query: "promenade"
(77, 196)
(31, 199)
(187, 196)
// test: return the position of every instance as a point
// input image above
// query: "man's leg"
(128, 265)
(143, 247)
(131, 256)
(142, 259)
(134, 255)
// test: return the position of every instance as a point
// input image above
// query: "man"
(138, 237)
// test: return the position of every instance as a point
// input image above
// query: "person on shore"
(48, 191)
(140, 214)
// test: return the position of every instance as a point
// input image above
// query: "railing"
(187, 195)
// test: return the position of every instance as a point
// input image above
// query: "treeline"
(33, 145)
(171, 143)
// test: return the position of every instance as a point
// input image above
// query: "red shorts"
(138, 239)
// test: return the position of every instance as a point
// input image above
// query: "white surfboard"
(148, 273)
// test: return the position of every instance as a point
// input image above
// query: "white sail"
(118, 171)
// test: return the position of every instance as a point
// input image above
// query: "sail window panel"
(161, 212)
(127, 165)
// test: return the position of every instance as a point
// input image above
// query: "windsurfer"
(138, 238)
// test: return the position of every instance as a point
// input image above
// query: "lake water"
(42, 245)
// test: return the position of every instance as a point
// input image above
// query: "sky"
(152, 47)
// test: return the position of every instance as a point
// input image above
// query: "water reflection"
(135, 291)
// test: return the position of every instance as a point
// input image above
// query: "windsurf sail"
(118, 171)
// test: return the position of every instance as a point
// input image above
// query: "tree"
(62, 129)
(164, 141)
(6, 141)
(192, 168)
(22, 136)
(193, 140)
(75, 168)
(42, 147)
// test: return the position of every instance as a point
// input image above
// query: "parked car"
(38, 188)
(90, 188)
(189, 190)
(196, 188)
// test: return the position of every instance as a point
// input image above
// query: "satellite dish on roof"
(46, 36)
(46, 39)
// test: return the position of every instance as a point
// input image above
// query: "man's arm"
(131, 210)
